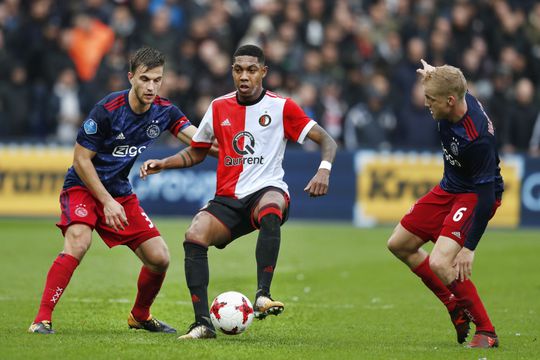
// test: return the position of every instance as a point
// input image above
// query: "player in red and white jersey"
(251, 127)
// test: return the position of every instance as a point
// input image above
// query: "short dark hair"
(147, 57)
(250, 50)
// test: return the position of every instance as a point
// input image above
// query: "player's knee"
(197, 237)
(438, 264)
(396, 247)
(77, 242)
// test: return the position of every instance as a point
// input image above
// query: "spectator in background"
(341, 41)
(371, 124)
(522, 115)
(89, 41)
(161, 35)
(415, 126)
(15, 99)
(66, 107)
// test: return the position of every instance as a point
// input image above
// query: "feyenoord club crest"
(153, 131)
(265, 120)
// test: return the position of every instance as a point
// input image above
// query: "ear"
(130, 77)
(451, 100)
(265, 71)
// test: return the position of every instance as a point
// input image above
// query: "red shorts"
(440, 213)
(80, 207)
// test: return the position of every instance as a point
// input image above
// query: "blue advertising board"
(182, 192)
(530, 193)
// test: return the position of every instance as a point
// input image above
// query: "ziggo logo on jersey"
(127, 150)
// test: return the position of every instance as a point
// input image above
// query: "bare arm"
(186, 135)
(187, 157)
(82, 163)
(318, 185)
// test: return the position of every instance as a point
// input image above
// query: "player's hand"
(150, 167)
(318, 185)
(463, 264)
(426, 68)
(115, 215)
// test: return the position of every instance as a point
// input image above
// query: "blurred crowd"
(349, 63)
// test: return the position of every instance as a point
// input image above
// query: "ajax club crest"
(153, 131)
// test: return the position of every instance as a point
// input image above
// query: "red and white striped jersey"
(251, 140)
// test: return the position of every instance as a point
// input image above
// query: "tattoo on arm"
(181, 153)
(190, 158)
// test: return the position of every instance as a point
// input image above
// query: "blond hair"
(446, 80)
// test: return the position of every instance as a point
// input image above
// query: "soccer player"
(97, 193)
(251, 127)
(455, 213)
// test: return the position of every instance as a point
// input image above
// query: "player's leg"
(442, 261)
(155, 257)
(205, 230)
(408, 248)
(268, 213)
(77, 240)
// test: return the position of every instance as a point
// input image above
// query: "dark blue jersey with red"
(471, 164)
(469, 151)
(118, 136)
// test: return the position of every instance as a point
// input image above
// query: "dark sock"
(267, 251)
(197, 277)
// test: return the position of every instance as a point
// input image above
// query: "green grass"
(346, 298)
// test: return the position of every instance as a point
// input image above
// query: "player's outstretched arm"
(318, 185)
(115, 216)
(185, 158)
(426, 68)
(187, 134)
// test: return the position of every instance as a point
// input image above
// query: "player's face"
(145, 84)
(438, 105)
(247, 76)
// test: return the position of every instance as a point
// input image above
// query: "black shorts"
(237, 214)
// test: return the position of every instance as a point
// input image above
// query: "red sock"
(467, 291)
(431, 280)
(57, 280)
(148, 286)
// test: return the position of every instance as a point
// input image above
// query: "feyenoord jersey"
(470, 151)
(251, 139)
(118, 136)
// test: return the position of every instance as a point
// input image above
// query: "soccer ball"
(231, 312)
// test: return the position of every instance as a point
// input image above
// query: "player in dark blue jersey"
(97, 194)
(456, 212)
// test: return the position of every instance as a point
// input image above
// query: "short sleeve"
(295, 122)
(94, 129)
(204, 136)
(177, 120)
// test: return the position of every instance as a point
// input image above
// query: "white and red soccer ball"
(231, 312)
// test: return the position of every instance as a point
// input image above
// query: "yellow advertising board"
(31, 179)
(388, 184)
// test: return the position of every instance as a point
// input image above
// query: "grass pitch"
(346, 297)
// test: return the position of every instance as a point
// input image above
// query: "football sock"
(57, 279)
(267, 249)
(148, 286)
(467, 291)
(197, 276)
(424, 272)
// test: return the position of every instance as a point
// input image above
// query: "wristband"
(325, 165)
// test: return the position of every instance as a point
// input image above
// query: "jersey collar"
(248, 103)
